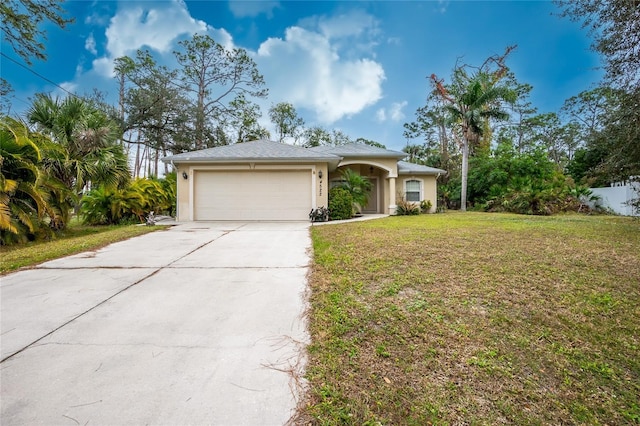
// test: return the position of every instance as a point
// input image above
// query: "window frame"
(419, 190)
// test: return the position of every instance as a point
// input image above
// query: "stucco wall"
(182, 195)
(322, 185)
(184, 203)
(429, 188)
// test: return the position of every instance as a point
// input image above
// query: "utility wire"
(39, 75)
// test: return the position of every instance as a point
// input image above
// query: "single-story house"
(266, 180)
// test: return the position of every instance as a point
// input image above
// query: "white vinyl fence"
(617, 197)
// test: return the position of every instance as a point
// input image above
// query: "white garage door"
(255, 195)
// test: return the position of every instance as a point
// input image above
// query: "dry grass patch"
(475, 319)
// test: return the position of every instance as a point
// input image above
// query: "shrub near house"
(111, 205)
(340, 204)
(526, 183)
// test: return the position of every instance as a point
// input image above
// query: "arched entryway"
(378, 175)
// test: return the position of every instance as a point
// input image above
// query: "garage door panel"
(255, 195)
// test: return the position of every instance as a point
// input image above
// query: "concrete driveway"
(200, 324)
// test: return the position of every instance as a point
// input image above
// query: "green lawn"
(75, 239)
(475, 318)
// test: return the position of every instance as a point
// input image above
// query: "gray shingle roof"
(256, 150)
(406, 168)
(265, 150)
(359, 150)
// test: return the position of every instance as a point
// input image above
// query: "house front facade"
(270, 181)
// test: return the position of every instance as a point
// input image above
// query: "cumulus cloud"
(154, 25)
(222, 37)
(316, 77)
(315, 68)
(393, 113)
(251, 9)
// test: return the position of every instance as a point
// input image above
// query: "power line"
(37, 74)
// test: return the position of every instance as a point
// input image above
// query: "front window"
(412, 190)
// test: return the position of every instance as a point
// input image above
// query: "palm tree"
(471, 103)
(23, 203)
(358, 186)
(86, 149)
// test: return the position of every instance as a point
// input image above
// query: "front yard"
(475, 319)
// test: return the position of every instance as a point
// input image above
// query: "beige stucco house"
(266, 180)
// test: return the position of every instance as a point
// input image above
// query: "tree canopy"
(615, 29)
(22, 25)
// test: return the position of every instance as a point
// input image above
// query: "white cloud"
(154, 25)
(251, 9)
(393, 113)
(319, 71)
(64, 89)
(306, 69)
(354, 33)
(90, 44)
(355, 23)
(222, 37)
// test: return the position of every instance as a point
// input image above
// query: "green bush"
(109, 205)
(340, 204)
(525, 183)
(425, 206)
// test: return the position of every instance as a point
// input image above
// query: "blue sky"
(360, 67)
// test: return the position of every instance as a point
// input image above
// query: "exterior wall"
(185, 194)
(428, 188)
(322, 185)
(388, 182)
(182, 193)
(616, 197)
(431, 191)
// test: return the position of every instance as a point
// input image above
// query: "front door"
(372, 205)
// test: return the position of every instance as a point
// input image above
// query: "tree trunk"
(147, 161)
(465, 173)
(121, 104)
(200, 117)
(136, 164)
(156, 160)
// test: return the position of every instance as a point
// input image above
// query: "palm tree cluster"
(24, 189)
(63, 149)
